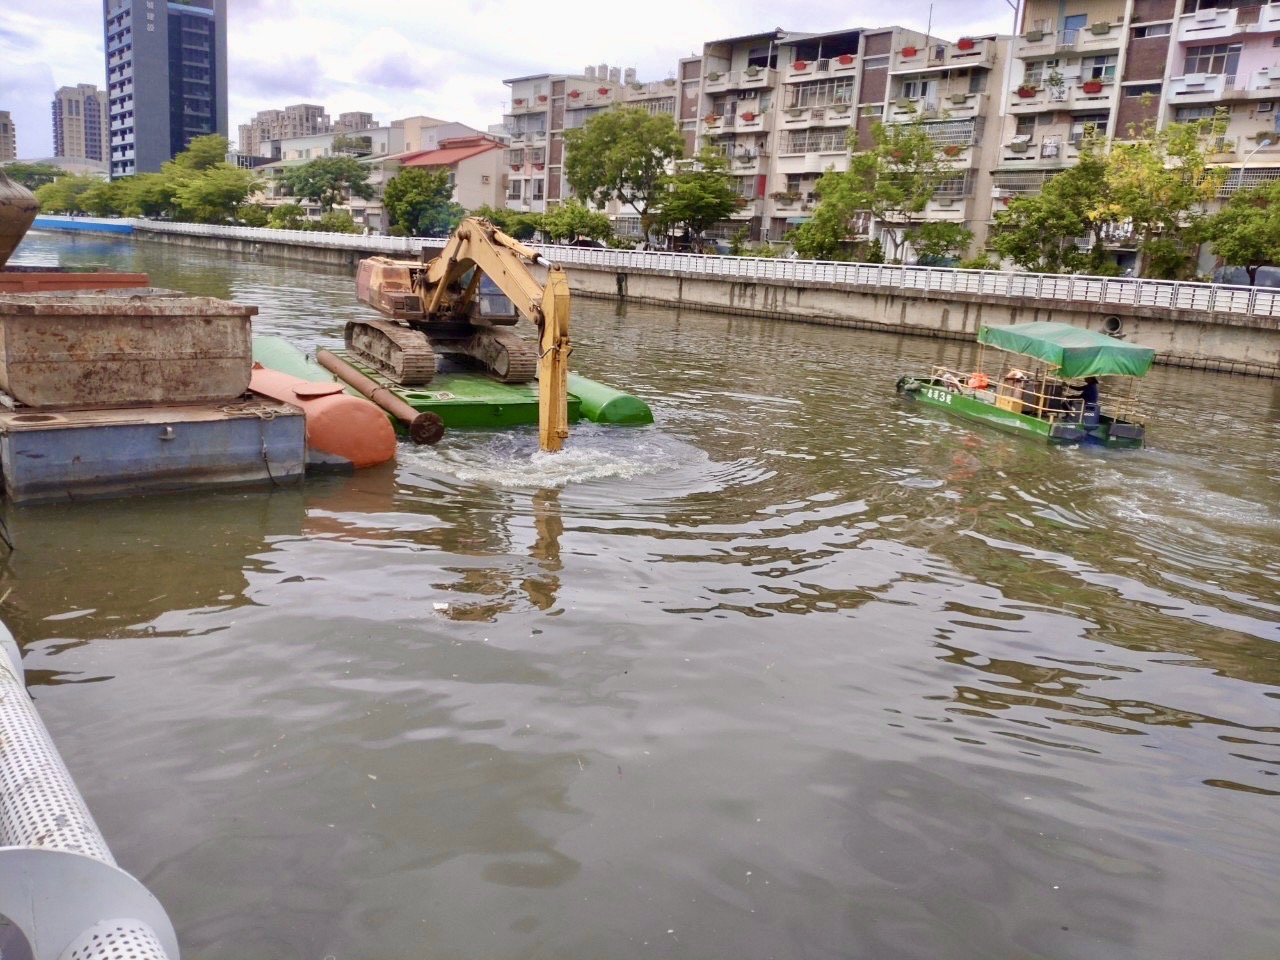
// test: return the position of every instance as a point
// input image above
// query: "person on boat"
(1089, 391)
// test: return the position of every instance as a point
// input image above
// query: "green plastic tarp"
(1075, 352)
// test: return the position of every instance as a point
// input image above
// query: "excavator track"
(398, 353)
(504, 355)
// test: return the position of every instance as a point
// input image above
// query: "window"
(1072, 25)
(1151, 30)
(1088, 124)
(977, 81)
(1200, 112)
(1098, 68)
(1214, 59)
(536, 191)
(814, 140)
(1142, 90)
(821, 93)
(1037, 70)
(1026, 128)
(513, 190)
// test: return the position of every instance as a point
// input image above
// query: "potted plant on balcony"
(1019, 146)
(1092, 86)
(1100, 28)
(909, 51)
(575, 94)
(603, 91)
(1027, 90)
(747, 116)
(712, 77)
(1033, 36)
(542, 98)
(845, 59)
(518, 101)
(753, 71)
(965, 43)
(951, 150)
(800, 65)
(710, 118)
(959, 99)
(840, 108)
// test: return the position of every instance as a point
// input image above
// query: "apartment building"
(8, 138)
(353, 122)
(1116, 65)
(295, 120)
(543, 106)
(166, 78)
(80, 122)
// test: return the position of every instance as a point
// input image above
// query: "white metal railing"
(1127, 291)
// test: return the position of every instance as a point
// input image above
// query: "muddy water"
(798, 671)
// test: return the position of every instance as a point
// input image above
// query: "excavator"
(444, 305)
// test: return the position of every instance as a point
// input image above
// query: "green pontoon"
(1053, 392)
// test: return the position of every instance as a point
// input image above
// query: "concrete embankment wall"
(1233, 341)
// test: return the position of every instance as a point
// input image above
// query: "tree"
(327, 180)
(1039, 232)
(622, 154)
(514, 223)
(334, 221)
(287, 216)
(213, 194)
(1160, 185)
(148, 194)
(699, 197)
(104, 198)
(892, 183)
(33, 175)
(419, 201)
(939, 241)
(64, 195)
(350, 144)
(1246, 232)
(574, 219)
(253, 214)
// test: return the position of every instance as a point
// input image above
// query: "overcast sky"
(396, 58)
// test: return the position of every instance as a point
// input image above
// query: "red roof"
(451, 151)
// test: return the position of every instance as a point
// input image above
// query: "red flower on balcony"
(542, 98)
(575, 94)
(602, 90)
(748, 117)
(845, 58)
(1091, 86)
(800, 65)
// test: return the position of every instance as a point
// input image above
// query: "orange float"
(340, 428)
(979, 380)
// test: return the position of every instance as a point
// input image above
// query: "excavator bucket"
(553, 362)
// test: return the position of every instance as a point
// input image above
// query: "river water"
(800, 671)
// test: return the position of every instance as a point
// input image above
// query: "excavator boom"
(440, 306)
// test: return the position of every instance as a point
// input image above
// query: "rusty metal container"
(122, 348)
(18, 209)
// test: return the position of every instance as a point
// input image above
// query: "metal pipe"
(423, 427)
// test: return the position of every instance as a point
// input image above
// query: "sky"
(396, 59)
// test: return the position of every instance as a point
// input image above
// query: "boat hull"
(967, 405)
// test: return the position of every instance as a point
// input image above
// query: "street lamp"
(1244, 163)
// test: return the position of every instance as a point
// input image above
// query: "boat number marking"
(941, 396)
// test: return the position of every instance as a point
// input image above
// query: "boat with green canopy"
(1054, 391)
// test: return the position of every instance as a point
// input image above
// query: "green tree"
(203, 153)
(328, 180)
(212, 194)
(698, 197)
(419, 201)
(287, 216)
(574, 219)
(1246, 231)
(938, 241)
(1160, 185)
(148, 194)
(622, 154)
(253, 214)
(513, 223)
(33, 175)
(64, 195)
(104, 199)
(333, 221)
(1038, 232)
(892, 183)
(352, 144)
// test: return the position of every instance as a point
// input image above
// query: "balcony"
(1200, 87)
(1213, 24)
(946, 56)
(748, 121)
(749, 162)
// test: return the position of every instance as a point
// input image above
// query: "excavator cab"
(463, 304)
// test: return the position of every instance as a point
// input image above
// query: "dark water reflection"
(798, 672)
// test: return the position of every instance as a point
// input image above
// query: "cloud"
(397, 59)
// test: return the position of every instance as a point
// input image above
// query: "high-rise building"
(80, 122)
(353, 122)
(166, 78)
(8, 138)
(296, 120)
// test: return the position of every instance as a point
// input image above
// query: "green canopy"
(1075, 352)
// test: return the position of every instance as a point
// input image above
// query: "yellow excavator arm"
(440, 298)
